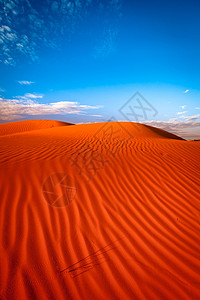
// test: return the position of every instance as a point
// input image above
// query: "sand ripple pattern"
(132, 230)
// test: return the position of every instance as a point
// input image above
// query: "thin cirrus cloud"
(186, 91)
(25, 82)
(181, 112)
(28, 96)
(26, 28)
(13, 109)
(183, 106)
(191, 118)
(179, 127)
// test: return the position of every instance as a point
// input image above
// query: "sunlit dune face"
(59, 189)
(98, 211)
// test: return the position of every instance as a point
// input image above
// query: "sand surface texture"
(98, 211)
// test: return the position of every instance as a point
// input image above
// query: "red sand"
(16, 127)
(98, 211)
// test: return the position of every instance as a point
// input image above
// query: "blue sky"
(81, 61)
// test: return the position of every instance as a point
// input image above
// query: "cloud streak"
(181, 112)
(28, 96)
(188, 129)
(12, 109)
(25, 82)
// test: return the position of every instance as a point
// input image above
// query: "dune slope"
(22, 126)
(99, 211)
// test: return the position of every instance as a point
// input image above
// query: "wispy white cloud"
(28, 96)
(183, 106)
(188, 129)
(25, 82)
(27, 27)
(186, 91)
(181, 112)
(191, 118)
(9, 117)
(197, 107)
(17, 108)
(9, 61)
(13, 43)
(2, 91)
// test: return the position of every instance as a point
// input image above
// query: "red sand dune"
(16, 127)
(98, 211)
